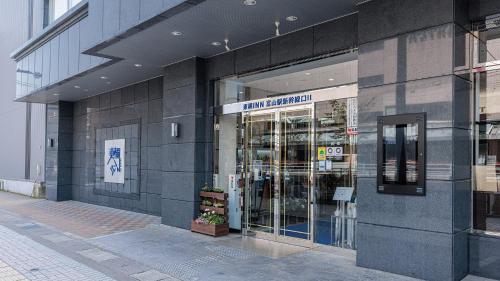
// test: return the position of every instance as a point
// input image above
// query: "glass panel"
(320, 74)
(260, 155)
(336, 123)
(486, 194)
(59, 7)
(400, 154)
(295, 132)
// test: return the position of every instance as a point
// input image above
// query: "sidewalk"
(43, 240)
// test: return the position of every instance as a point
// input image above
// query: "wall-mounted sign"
(338, 151)
(352, 113)
(329, 151)
(277, 102)
(352, 131)
(114, 161)
(343, 193)
(321, 153)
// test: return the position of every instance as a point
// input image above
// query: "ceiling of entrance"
(200, 26)
(215, 20)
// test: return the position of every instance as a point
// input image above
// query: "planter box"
(220, 211)
(210, 229)
(216, 195)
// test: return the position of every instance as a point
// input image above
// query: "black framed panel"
(401, 154)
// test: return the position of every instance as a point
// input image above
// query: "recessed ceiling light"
(307, 73)
(138, 65)
(104, 77)
(215, 43)
(76, 87)
(330, 79)
(292, 18)
(56, 94)
(176, 33)
(250, 2)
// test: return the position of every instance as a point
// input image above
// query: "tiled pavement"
(85, 220)
(26, 259)
(42, 240)
(8, 273)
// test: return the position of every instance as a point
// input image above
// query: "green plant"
(207, 202)
(218, 190)
(206, 188)
(218, 205)
(210, 218)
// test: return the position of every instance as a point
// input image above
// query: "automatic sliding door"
(295, 164)
(260, 156)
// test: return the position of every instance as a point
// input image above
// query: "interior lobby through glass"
(291, 149)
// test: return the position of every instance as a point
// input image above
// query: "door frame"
(276, 236)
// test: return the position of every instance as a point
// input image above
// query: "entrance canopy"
(202, 30)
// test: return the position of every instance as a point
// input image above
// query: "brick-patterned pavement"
(81, 219)
(8, 273)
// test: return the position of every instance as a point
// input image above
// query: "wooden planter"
(220, 211)
(210, 229)
(215, 195)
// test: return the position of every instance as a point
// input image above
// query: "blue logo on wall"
(115, 159)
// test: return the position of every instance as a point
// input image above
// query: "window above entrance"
(326, 73)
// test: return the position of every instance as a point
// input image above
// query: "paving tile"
(78, 218)
(151, 275)
(56, 238)
(23, 257)
(97, 255)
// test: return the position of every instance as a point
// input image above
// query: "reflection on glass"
(400, 154)
(486, 195)
(295, 167)
(334, 130)
(260, 137)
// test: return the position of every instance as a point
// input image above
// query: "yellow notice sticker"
(321, 153)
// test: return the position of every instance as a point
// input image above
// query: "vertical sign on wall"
(114, 161)
(352, 116)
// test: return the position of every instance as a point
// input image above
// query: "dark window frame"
(417, 189)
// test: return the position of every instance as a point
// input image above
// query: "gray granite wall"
(135, 114)
(58, 153)
(409, 55)
(187, 159)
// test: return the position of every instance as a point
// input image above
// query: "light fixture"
(330, 79)
(56, 94)
(307, 73)
(176, 33)
(277, 24)
(250, 2)
(76, 87)
(227, 46)
(104, 77)
(138, 65)
(215, 43)
(292, 18)
(175, 130)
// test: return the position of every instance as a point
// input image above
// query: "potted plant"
(214, 193)
(210, 223)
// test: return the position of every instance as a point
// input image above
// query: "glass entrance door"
(295, 163)
(260, 169)
(277, 151)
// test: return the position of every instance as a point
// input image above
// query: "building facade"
(24, 146)
(368, 125)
